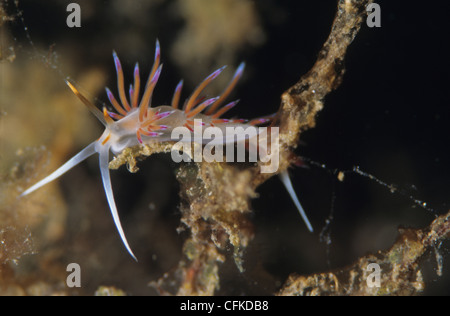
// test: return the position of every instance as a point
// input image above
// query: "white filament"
(82, 155)
(104, 162)
(284, 176)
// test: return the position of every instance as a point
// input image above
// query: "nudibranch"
(136, 123)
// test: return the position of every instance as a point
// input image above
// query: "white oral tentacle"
(104, 162)
(75, 160)
(284, 176)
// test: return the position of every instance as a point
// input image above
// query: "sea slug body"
(136, 123)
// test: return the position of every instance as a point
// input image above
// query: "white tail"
(284, 176)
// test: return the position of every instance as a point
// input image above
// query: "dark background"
(390, 117)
